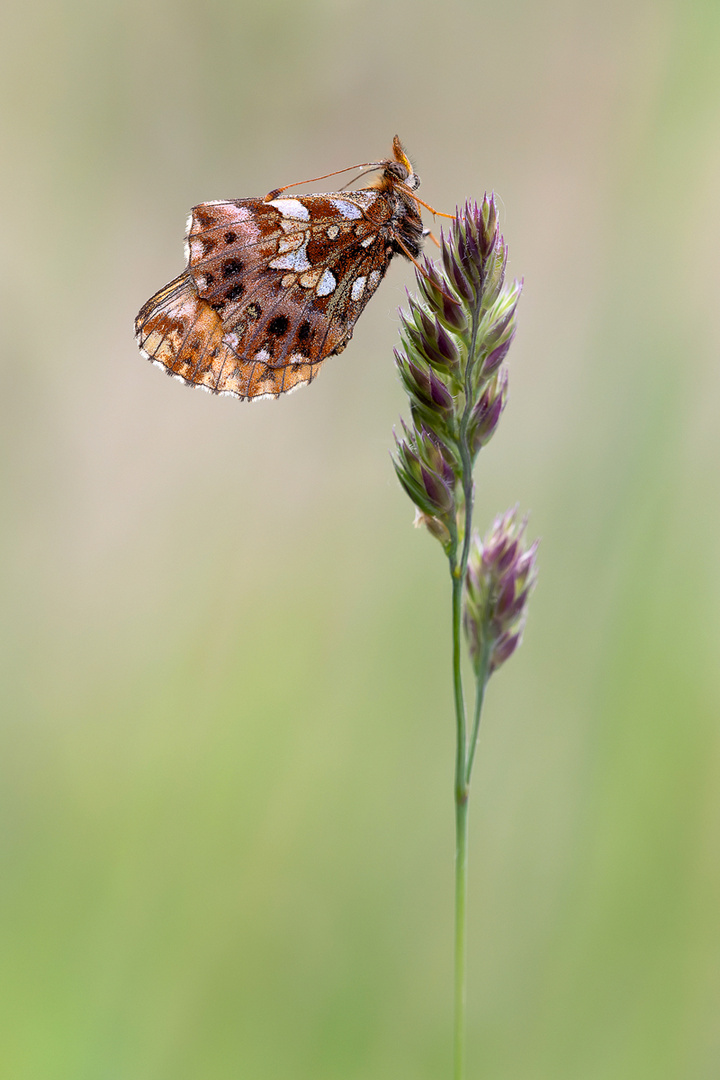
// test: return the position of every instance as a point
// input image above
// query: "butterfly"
(274, 286)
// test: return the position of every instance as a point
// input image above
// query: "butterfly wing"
(271, 290)
(180, 332)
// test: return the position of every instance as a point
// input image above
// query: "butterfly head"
(397, 170)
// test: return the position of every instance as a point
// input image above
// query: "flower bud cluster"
(501, 573)
(455, 336)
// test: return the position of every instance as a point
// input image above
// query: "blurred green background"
(226, 821)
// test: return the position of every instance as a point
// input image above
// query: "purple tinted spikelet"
(424, 468)
(454, 339)
(487, 412)
(501, 573)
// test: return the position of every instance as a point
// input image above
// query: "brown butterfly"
(273, 286)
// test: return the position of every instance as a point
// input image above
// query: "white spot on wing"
(262, 355)
(291, 208)
(333, 231)
(368, 240)
(374, 279)
(326, 284)
(294, 260)
(347, 209)
(358, 287)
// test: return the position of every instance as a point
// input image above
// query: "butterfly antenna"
(313, 180)
(360, 176)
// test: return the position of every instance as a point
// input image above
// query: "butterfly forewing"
(272, 288)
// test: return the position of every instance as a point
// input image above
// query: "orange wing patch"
(183, 334)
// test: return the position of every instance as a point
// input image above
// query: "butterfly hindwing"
(181, 332)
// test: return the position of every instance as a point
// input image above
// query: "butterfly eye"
(397, 170)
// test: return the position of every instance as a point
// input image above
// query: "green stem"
(461, 808)
(461, 781)
(483, 674)
(461, 832)
(461, 745)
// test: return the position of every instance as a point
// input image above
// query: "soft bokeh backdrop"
(225, 778)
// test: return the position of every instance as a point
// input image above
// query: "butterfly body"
(274, 286)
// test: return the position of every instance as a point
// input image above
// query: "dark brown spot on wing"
(278, 326)
(231, 268)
